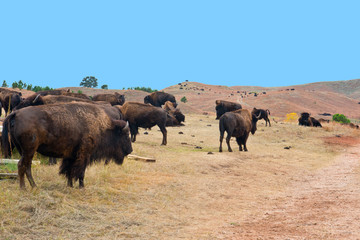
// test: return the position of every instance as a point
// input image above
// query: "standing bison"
(264, 114)
(225, 106)
(237, 124)
(113, 99)
(159, 98)
(145, 116)
(80, 133)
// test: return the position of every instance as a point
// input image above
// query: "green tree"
(29, 87)
(183, 99)
(105, 86)
(341, 118)
(14, 85)
(21, 85)
(4, 84)
(90, 82)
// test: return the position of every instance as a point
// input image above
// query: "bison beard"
(80, 133)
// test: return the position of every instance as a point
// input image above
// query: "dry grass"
(186, 194)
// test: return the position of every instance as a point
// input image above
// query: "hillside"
(316, 98)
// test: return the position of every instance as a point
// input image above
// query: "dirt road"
(323, 205)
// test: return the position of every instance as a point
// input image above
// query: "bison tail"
(6, 136)
(222, 126)
(268, 111)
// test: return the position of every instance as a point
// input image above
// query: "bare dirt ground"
(321, 205)
(294, 183)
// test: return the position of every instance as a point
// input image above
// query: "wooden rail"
(15, 161)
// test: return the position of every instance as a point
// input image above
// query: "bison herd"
(81, 130)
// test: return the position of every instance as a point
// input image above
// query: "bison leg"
(244, 141)
(164, 132)
(66, 169)
(221, 140)
(239, 142)
(24, 167)
(228, 137)
(133, 132)
(267, 120)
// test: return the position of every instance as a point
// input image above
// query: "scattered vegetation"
(341, 118)
(105, 86)
(145, 89)
(183, 99)
(5, 84)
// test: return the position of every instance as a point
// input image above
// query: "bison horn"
(257, 117)
(36, 98)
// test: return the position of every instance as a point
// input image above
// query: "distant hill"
(316, 98)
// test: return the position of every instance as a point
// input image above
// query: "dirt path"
(324, 205)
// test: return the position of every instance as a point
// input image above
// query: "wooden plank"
(8, 175)
(15, 161)
(138, 158)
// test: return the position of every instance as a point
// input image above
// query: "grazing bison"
(264, 114)
(237, 124)
(159, 98)
(306, 120)
(145, 116)
(113, 99)
(175, 116)
(225, 106)
(79, 133)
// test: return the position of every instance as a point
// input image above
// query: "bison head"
(254, 120)
(148, 100)
(121, 144)
(33, 100)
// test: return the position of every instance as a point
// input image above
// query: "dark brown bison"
(175, 116)
(306, 120)
(77, 95)
(237, 124)
(9, 99)
(225, 106)
(53, 92)
(159, 98)
(264, 114)
(79, 133)
(113, 99)
(145, 116)
(36, 99)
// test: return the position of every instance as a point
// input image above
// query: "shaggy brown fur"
(225, 106)
(113, 99)
(237, 124)
(80, 133)
(159, 98)
(145, 116)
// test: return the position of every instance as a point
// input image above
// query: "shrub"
(291, 117)
(341, 118)
(183, 99)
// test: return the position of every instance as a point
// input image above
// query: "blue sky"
(161, 43)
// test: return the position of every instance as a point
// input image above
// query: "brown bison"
(225, 106)
(237, 124)
(145, 116)
(175, 116)
(306, 120)
(37, 99)
(77, 95)
(79, 133)
(159, 98)
(264, 114)
(113, 99)
(9, 99)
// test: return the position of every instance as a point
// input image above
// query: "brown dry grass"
(186, 194)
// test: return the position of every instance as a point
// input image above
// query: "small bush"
(341, 118)
(183, 99)
(291, 117)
